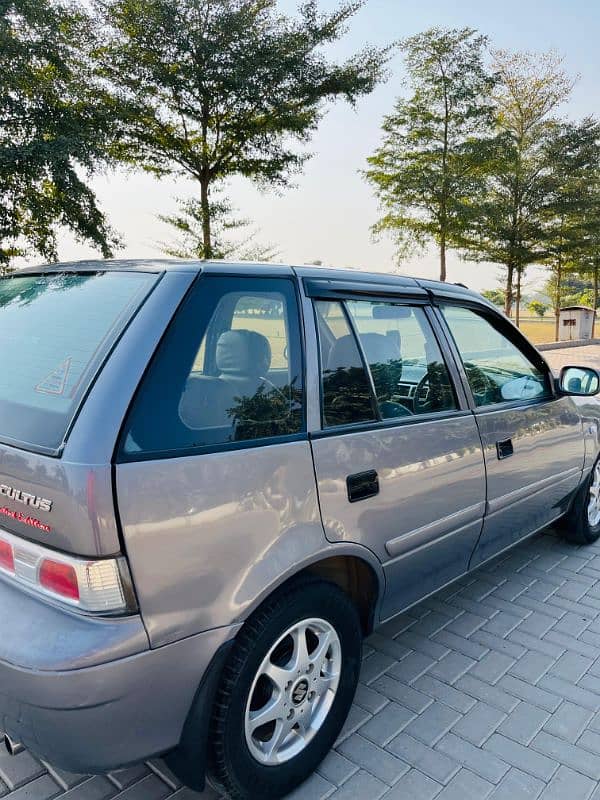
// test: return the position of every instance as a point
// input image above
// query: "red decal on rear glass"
(55, 381)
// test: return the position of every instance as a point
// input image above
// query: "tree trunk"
(558, 293)
(443, 257)
(518, 298)
(510, 270)
(596, 269)
(206, 232)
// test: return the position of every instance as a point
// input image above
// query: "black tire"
(233, 768)
(575, 524)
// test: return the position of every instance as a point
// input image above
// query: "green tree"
(55, 129)
(217, 88)
(432, 160)
(508, 226)
(573, 159)
(538, 308)
(188, 223)
(495, 296)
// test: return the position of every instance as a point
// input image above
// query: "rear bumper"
(115, 707)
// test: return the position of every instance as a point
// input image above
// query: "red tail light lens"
(7, 559)
(59, 578)
(96, 586)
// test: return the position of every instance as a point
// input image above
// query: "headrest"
(343, 354)
(379, 349)
(244, 353)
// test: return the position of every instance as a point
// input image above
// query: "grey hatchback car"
(216, 478)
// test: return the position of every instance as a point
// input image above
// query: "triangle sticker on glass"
(55, 381)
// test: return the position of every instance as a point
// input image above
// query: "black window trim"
(448, 356)
(119, 454)
(364, 361)
(513, 335)
(343, 289)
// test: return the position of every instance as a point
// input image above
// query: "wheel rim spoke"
(272, 712)
(593, 509)
(300, 659)
(319, 655)
(280, 676)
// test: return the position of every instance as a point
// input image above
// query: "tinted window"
(228, 370)
(55, 330)
(409, 373)
(497, 370)
(346, 391)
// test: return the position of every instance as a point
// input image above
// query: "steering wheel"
(482, 386)
(421, 398)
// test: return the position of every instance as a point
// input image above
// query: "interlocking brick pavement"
(489, 689)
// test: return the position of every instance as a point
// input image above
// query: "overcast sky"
(328, 213)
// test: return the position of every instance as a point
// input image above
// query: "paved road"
(588, 355)
(490, 689)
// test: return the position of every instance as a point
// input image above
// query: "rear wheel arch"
(357, 578)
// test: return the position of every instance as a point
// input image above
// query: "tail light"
(100, 586)
(7, 560)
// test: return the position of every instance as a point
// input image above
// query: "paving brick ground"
(490, 689)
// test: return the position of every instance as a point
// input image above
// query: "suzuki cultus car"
(216, 479)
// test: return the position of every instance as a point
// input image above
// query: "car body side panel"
(209, 536)
(533, 486)
(426, 519)
(588, 409)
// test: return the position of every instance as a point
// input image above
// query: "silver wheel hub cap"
(593, 510)
(293, 691)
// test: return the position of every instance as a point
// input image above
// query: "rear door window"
(228, 370)
(409, 373)
(56, 329)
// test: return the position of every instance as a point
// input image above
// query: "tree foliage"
(508, 226)
(538, 308)
(573, 159)
(495, 296)
(226, 228)
(216, 88)
(55, 127)
(432, 161)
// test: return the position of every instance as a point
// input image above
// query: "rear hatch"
(57, 329)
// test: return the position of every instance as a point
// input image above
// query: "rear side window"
(56, 329)
(229, 370)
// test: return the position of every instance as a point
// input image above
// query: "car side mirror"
(579, 381)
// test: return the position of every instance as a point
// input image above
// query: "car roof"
(309, 271)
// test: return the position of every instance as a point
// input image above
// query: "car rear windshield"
(55, 331)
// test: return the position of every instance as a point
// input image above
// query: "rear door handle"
(362, 485)
(504, 448)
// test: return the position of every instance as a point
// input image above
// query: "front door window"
(497, 369)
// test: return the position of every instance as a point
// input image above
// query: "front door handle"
(362, 485)
(504, 448)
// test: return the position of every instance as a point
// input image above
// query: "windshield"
(55, 331)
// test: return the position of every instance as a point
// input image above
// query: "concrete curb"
(562, 345)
